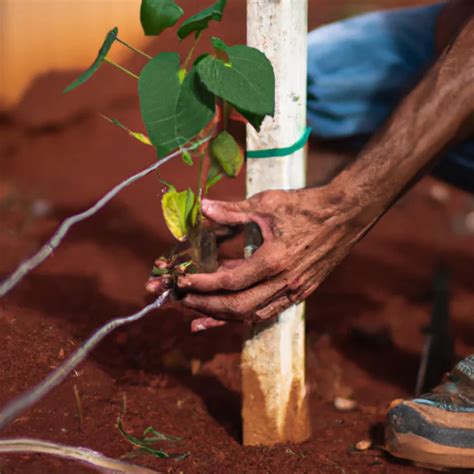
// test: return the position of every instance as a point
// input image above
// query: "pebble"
(363, 445)
(439, 193)
(344, 404)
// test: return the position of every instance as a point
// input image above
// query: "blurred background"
(58, 156)
(40, 36)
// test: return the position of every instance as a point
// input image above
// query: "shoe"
(436, 429)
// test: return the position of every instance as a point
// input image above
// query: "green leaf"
(200, 21)
(104, 49)
(173, 113)
(214, 175)
(187, 158)
(155, 271)
(157, 435)
(213, 181)
(139, 443)
(157, 15)
(137, 135)
(195, 212)
(177, 208)
(246, 81)
(226, 152)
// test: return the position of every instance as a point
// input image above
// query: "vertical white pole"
(273, 360)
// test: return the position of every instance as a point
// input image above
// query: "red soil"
(58, 149)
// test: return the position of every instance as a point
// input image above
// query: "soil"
(364, 339)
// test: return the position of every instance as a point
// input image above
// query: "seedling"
(144, 445)
(191, 101)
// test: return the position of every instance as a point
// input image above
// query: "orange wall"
(37, 36)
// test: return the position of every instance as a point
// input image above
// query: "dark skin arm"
(308, 232)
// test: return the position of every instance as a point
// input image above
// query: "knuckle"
(238, 307)
(273, 265)
(229, 281)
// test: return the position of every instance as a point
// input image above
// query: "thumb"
(227, 212)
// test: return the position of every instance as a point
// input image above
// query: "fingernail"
(197, 327)
(206, 205)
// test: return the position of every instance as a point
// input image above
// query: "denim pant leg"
(360, 68)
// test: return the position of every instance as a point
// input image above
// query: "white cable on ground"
(18, 405)
(55, 240)
(84, 455)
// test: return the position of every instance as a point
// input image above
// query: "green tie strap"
(277, 152)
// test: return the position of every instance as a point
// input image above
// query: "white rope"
(48, 248)
(84, 455)
(14, 408)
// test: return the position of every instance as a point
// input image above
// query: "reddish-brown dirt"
(57, 157)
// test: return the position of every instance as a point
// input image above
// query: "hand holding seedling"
(307, 233)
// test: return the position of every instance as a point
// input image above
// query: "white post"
(273, 359)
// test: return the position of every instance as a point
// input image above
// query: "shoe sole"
(412, 434)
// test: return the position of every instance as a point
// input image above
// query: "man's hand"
(305, 232)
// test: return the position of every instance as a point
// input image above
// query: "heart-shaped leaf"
(177, 208)
(246, 81)
(157, 15)
(226, 152)
(200, 21)
(173, 112)
(104, 49)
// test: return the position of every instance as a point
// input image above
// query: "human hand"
(306, 233)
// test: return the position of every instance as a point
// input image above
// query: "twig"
(87, 456)
(14, 408)
(77, 396)
(128, 45)
(121, 68)
(58, 236)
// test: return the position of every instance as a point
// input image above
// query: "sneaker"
(436, 429)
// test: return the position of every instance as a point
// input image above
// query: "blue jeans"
(360, 68)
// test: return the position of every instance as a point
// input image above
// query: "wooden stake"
(273, 358)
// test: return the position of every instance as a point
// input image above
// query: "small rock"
(344, 404)
(195, 366)
(439, 193)
(363, 445)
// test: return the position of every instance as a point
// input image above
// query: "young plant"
(190, 101)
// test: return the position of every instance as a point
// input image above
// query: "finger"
(201, 324)
(237, 306)
(274, 308)
(222, 232)
(230, 263)
(227, 212)
(251, 270)
(158, 285)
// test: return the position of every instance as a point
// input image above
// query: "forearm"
(425, 123)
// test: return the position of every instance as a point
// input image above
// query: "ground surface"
(364, 324)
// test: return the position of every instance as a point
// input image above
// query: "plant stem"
(191, 51)
(200, 170)
(136, 50)
(226, 109)
(126, 71)
(14, 408)
(30, 264)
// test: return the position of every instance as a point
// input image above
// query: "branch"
(59, 235)
(17, 406)
(84, 455)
